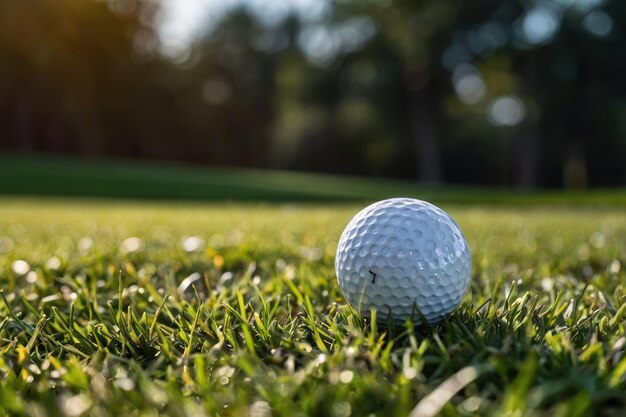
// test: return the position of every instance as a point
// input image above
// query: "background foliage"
(520, 92)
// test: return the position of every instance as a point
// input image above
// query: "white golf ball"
(401, 256)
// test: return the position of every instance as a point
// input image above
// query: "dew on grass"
(53, 263)
(20, 267)
(260, 409)
(132, 244)
(67, 293)
(84, 245)
(410, 372)
(31, 277)
(290, 272)
(125, 383)
(192, 244)
(225, 371)
(34, 369)
(345, 377)
(547, 284)
(76, 405)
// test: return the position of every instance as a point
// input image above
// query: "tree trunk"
(23, 130)
(526, 139)
(87, 123)
(574, 166)
(422, 101)
(526, 152)
(55, 134)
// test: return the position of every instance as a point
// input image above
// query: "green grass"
(56, 176)
(264, 330)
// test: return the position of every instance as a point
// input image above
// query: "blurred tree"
(563, 57)
(520, 92)
(419, 31)
(374, 78)
(416, 32)
(69, 71)
(230, 90)
(339, 98)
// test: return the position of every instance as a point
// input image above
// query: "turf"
(62, 176)
(116, 308)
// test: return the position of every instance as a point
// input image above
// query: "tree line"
(486, 92)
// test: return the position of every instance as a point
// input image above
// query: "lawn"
(62, 176)
(190, 309)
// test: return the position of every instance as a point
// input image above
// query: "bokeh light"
(506, 111)
(468, 84)
(598, 23)
(539, 25)
(318, 44)
(374, 88)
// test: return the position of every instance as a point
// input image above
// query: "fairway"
(189, 309)
(59, 176)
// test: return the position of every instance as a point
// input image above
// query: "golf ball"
(401, 256)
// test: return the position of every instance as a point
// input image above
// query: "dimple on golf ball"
(401, 256)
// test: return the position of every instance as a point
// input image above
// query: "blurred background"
(518, 93)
